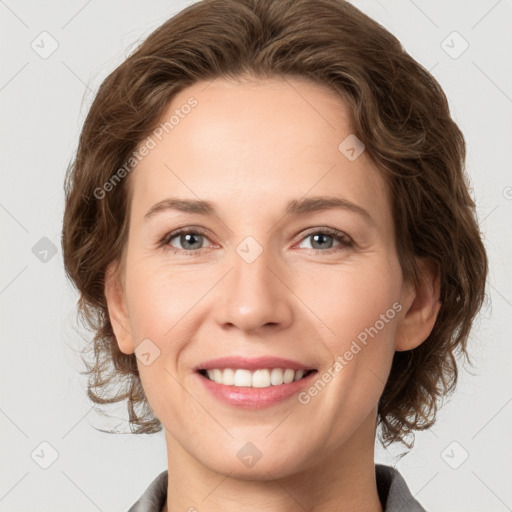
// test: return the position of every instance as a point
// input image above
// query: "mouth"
(259, 378)
(256, 389)
(254, 382)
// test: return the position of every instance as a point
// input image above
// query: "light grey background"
(43, 104)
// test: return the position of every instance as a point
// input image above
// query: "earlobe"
(117, 309)
(421, 305)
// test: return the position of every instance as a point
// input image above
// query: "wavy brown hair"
(398, 110)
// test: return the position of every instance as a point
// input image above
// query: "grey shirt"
(393, 493)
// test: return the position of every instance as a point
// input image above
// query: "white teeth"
(227, 376)
(242, 378)
(263, 378)
(288, 376)
(276, 377)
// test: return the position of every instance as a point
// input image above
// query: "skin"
(251, 146)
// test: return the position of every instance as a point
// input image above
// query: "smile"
(260, 378)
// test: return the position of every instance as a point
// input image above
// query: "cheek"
(360, 308)
(159, 302)
(159, 296)
(368, 321)
(350, 300)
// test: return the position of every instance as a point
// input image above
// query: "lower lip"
(255, 398)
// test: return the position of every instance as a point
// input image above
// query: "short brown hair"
(398, 110)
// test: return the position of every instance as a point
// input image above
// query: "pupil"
(187, 238)
(321, 237)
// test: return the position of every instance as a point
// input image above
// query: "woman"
(214, 163)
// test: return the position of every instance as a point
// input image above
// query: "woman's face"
(271, 273)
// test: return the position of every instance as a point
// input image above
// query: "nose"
(255, 297)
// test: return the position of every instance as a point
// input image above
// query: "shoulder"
(154, 497)
(393, 491)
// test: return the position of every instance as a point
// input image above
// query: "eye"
(322, 240)
(188, 240)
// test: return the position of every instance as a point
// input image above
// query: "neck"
(344, 480)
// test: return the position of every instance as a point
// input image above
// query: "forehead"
(256, 141)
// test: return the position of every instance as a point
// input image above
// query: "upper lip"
(256, 363)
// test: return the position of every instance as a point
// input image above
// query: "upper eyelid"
(335, 233)
(325, 229)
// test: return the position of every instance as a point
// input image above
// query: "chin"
(261, 471)
(249, 462)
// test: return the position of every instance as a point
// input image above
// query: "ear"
(117, 308)
(421, 305)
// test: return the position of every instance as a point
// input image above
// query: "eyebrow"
(294, 207)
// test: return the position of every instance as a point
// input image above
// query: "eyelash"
(345, 241)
